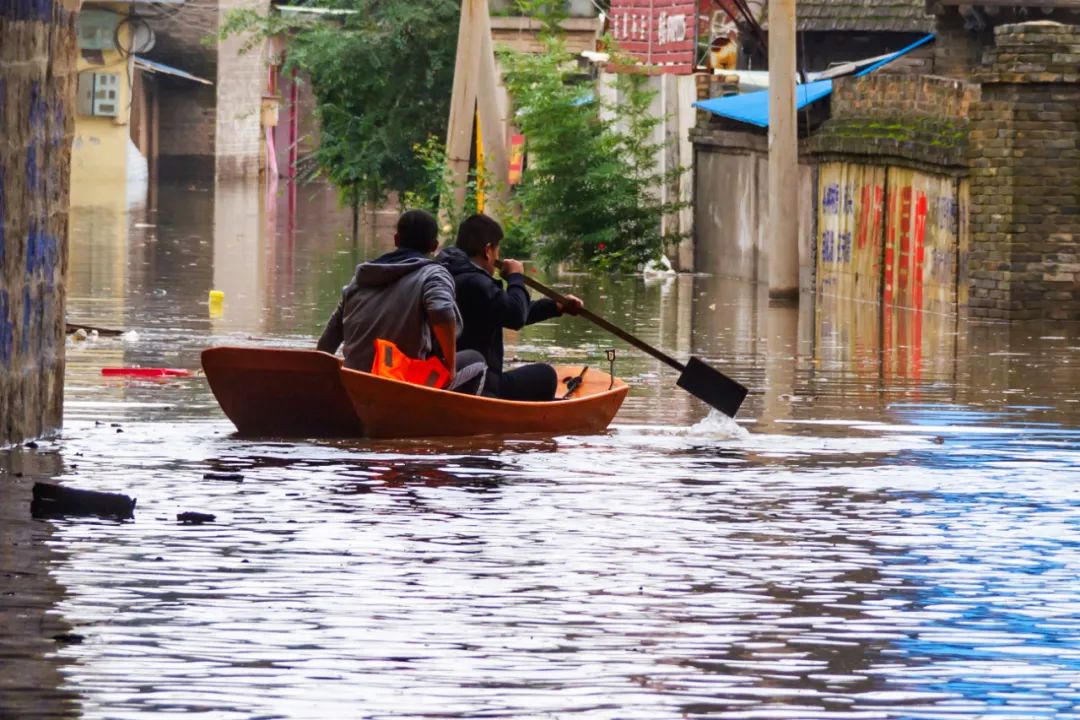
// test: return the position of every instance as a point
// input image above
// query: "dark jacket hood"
(457, 262)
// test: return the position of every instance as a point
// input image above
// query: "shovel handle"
(613, 329)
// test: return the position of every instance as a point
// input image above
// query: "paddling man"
(487, 308)
(407, 298)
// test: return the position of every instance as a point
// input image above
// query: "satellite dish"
(142, 38)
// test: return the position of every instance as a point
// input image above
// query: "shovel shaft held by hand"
(697, 378)
(610, 327)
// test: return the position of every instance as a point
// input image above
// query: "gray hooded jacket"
(397, 297)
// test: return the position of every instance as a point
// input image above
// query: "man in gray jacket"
(407, 298)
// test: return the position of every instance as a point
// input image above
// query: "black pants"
(471, 372)
(536, 382)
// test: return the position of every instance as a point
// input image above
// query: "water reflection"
(891, 538)
(31, 628)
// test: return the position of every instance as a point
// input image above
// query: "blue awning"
(753, 108)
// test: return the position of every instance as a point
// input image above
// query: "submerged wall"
(731, 207)
(37, 96)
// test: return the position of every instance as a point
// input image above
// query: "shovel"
(696, 378)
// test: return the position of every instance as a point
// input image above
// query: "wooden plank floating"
(55, 500)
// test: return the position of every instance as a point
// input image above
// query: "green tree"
(381, 75)
(590, 194)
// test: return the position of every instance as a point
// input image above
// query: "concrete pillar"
(37, 101)
(783, 244)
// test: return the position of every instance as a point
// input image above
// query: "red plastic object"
(145, 372)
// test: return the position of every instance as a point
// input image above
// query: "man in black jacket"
(486, 308)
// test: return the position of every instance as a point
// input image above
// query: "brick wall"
(187, 127)
(1025, 176)
(208, 131)
(916, 121)
(37, 98)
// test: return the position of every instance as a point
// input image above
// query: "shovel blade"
(712, 386)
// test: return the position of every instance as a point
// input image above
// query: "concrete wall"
(99, 153)
(1025, 176)
(37, 96)
(731, 208)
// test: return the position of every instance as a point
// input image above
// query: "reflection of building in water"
(239, 260)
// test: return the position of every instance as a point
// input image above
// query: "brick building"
(207, 131)
(948, 179)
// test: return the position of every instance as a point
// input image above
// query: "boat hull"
(306, 393)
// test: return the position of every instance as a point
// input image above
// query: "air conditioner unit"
(98, 94)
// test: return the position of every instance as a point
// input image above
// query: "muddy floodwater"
(891, 529)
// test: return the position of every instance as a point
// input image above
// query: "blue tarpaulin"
(753, 108)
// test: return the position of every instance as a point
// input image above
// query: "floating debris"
(54, 500)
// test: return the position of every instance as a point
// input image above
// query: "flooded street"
(892, 530)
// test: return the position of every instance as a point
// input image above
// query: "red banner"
(517, 159)
(658, 32)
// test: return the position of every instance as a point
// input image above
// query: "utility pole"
(783, 242)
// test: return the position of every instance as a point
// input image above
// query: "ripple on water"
(874, 538)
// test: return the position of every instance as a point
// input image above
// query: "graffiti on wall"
(897, 238)
(850, 214)
(889, 234)
(922, 241)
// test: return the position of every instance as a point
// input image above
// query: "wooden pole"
(475, 98)
(463, 98)
(783, 245)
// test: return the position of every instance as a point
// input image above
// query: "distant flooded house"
(118, 102)
(161, 98)
(922, 183)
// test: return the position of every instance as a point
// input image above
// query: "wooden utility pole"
(474, 94)
(783, 242)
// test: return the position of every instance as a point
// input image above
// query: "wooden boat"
(307, 393)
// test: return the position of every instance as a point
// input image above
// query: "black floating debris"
(231, 477)
(53, 500)
(194, 518)
(68, 638)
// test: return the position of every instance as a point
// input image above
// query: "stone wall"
(37, 98)
(1025, 176)
(957, 49)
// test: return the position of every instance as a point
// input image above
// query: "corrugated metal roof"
(863, 16)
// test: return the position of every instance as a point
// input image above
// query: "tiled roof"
(864, 15)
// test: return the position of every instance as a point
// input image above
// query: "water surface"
(891, 530)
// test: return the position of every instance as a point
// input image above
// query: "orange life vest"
(391, 363)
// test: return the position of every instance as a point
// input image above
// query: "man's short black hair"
(477, 232)
(417, 230)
